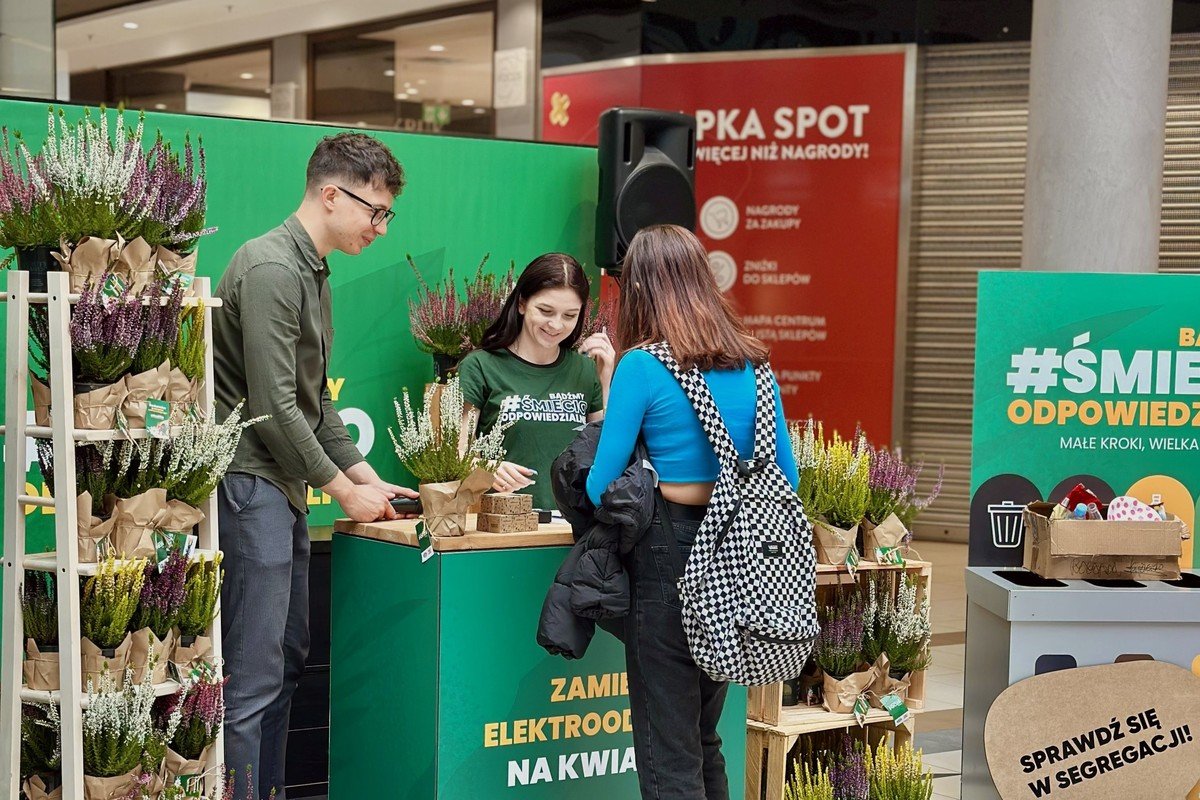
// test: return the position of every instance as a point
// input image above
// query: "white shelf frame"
(64, 561)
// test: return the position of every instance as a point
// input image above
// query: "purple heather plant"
(893, 486)
(105, 333)
(839, 645)
(437, 318)
(848, 773)
(160, 324)
(163, 593)
(485, 298)
(202, 701)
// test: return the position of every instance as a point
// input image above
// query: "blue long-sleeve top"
(646, 398)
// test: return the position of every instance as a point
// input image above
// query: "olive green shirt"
(271, 345)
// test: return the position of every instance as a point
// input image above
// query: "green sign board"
(1082, 378)
(464, 198)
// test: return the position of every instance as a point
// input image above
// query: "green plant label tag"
(114, 286)
(895, 706)
(167, 542)
(861, 709)
(889, 555)
(158, 418)
(852, 562)
(424, 541)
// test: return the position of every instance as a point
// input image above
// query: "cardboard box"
(1099, 549)
(507, 523)
(506, 504)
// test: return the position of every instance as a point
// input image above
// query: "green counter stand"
(439, 690)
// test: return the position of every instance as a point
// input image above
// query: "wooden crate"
(769, 747)
(765, 703)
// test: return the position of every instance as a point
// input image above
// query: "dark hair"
(668, 294)
(354, 158)
(549, 271)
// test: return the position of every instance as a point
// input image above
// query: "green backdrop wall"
(464, 198)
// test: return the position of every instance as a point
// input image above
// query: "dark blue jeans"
(674, 705)
(264, 623)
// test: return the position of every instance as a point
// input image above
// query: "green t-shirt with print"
(547, 403)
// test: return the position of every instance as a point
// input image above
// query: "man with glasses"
(271, 343)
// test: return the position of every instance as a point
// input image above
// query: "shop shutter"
(968, 193)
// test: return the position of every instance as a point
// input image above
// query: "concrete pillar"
(27, 48)
(289, 77)
(1097, 116)
(519, 28)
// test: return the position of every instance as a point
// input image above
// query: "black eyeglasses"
(378, 214)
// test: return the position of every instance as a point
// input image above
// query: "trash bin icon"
(1007, 523)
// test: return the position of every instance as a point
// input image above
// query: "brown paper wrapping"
(182, 394)
(445, 505)
(136, 518)
(889, 533)
(148, 385)
(115, 788)
(40, 670)
(95, 662)
(87, 260)
(833, 544)
(176, 766)
(41, 402)
(885, 684)
(841, 694)
(92, 530)
(171, 264)
(179, 517)
(97, 410)
(146, 646)
(35, 789)
(135, 263)
(187, 657)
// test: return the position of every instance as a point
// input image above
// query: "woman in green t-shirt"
(527, 371)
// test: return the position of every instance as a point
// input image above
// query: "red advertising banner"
(799, 189)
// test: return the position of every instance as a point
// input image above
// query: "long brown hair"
(668, 294)
(549, 271)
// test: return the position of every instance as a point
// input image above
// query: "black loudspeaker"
(647, 177)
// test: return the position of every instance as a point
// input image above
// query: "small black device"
(406, 505)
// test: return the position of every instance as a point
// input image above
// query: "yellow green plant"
(109, 600)
(809, 783)
(898, 775)
(841, 481)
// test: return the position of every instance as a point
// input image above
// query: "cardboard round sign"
(1116, 731)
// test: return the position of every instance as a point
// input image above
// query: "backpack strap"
(699, 395)
(765, 434)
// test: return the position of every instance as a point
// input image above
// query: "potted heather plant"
(41, 754)
(485, 296)
(808, 446)
(896, 624)
(107, 603)
(202, 594)
(197, 711)
(838, 651)
(848, 771)
(439, 322)
(892, 502)
(117, 725)
(200, 455)
(839, 497)
(164, 589)
(809, 782)
(39, 613)
(452, 464)
(105, 334)
(898, 775)
(160, 324)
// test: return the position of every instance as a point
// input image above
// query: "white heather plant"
(201, 454)
(449, 449)
(117, 725)
(898, 625)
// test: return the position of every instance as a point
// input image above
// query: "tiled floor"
(939, 728)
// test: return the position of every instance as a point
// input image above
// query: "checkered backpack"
(748, 590)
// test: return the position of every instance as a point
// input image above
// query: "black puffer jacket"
(592, 585)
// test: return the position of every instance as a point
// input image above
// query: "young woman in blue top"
(668, 294)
